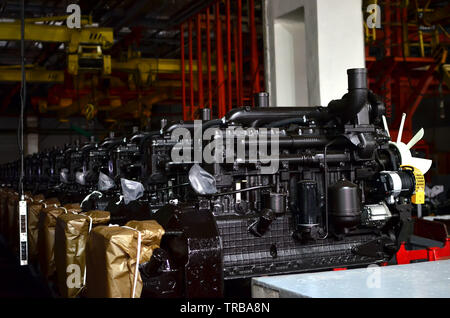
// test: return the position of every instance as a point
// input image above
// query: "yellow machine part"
(89, 111)
(76, 40)
(32, 75)
(419, 193)
(10, 31)
(72, 64)
(107, 65)
(446, 73)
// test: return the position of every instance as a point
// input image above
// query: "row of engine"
(266, 190)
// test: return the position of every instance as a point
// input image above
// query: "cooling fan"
(404, 150)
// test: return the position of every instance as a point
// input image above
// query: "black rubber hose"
(171, 128)
(286, 122)
(212, 123)
(257, 117)
(190, 125)
(298, 141)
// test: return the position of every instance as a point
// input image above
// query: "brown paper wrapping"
(9, 214)
(71, 234)
(73, 206)
(111, 255)
(46, 237)
(38, 197)
(152, 233)
(33, 220)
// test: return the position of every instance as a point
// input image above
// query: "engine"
(262, 191)
(333, 191)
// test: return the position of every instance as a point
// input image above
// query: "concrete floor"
(17, 281)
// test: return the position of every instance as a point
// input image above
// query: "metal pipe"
(220, 71)
(199, 62)
(191, 73)
(186, 125)
(387, 27)
(163, 123)
(183, 75)
(254, 50)
(206, 114)
(208, 55)
(242, 190)
(261, 99)
(305, 159)
(293, 142)
(259, 116)
(287, 122)
(236, 64)
(296, 141)
(229, 78)
(398, 15)
(240, 53)
(357, 97)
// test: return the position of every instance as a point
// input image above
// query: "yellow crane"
(84, 46)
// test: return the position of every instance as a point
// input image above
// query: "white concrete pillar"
(309, 45)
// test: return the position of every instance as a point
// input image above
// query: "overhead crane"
(86, 49)
(85, 45)
(146, 70)
(33, 74)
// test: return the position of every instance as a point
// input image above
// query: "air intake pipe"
(353, 102)
(344, 109)
(258, 117)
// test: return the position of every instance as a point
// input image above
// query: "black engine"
(262, 191)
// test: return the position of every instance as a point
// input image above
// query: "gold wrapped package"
(9, 206)
(33, 220)
(46, 237)
(112, 257)
(37, 198)
(71, 234)
(73, 206)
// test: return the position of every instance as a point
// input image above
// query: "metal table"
(419, 280)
